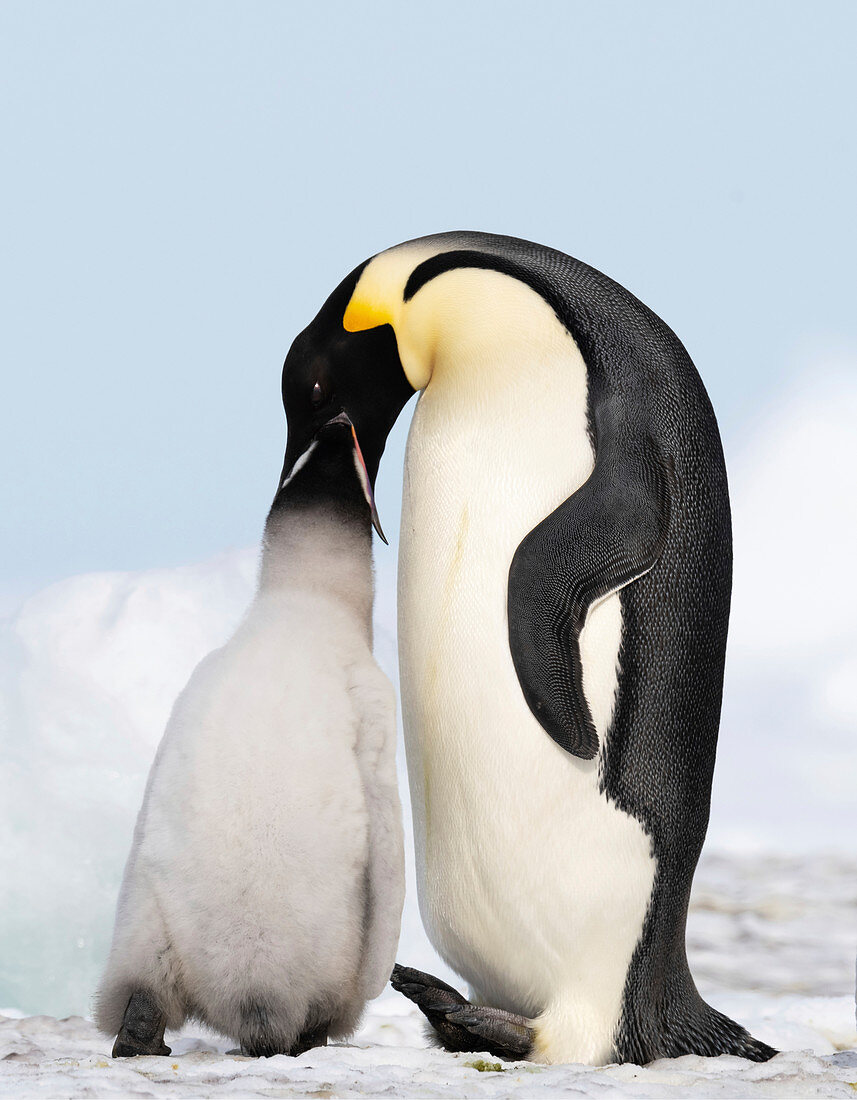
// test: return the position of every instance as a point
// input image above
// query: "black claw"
(460, 1025)
(504, 1029)
(417, 979)
(142, 1030)
(124, 1049)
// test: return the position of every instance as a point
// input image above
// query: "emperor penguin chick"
(264, 889)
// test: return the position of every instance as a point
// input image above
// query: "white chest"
(519, 854)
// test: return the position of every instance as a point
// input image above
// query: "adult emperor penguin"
(564, 586)
(264, 889)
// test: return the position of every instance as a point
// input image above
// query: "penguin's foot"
(262, 1047)
(306, 1042)
(460, 1025)
(142, 1030)
(310, 1039)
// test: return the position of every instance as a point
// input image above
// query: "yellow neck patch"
(361, 314)
(378, 300)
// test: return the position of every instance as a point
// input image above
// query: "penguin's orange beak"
(362, 472)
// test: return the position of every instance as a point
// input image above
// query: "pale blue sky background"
(183, 184)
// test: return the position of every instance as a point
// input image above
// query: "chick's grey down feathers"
(264, 888)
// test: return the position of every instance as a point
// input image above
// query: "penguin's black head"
(341, 390)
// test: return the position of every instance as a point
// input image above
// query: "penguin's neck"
(320, 549)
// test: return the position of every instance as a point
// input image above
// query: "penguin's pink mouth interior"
(363, 474)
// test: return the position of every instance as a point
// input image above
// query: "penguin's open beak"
(362, 472)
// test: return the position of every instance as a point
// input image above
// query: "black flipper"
(142, 1030)
(608, 533)
(460, 1025)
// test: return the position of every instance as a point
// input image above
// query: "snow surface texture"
(44, 1057)
(88, 672)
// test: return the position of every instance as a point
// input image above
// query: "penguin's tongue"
(363, 474)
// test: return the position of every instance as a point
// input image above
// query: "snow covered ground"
(88, 671)
(771, 942)
(67, 1058)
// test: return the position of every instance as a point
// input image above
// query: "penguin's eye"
(318, 396)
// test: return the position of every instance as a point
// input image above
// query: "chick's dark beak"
(362, 472)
